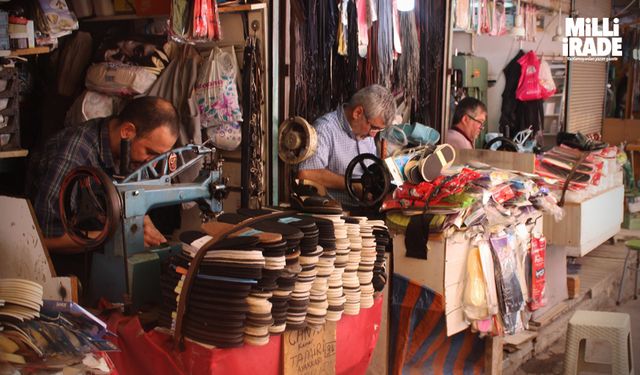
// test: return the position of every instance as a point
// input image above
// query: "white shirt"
(458, 140)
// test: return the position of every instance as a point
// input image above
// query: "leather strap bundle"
(430, 17)
(253, 171)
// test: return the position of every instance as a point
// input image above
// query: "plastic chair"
(614, 328)
(632, 245)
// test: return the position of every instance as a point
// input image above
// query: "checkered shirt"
(86, 144)
(337, 146)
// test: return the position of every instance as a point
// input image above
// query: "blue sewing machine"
(99, 211)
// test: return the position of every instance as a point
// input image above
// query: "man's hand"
(152, 237)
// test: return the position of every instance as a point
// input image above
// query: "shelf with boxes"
(554, 106)
(9, 110)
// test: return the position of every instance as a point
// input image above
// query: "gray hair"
(377, 101)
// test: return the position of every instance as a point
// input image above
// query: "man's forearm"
(323, 177)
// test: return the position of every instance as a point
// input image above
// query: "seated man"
(152, 126)
(344, 134)
(468, 120)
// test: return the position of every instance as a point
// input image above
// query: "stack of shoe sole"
(383, 241)
(217, 309)
(367, 261)
(20, 300)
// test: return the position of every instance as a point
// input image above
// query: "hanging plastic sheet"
(538, 277)
(507, 283)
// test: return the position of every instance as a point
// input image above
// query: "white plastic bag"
(546, 80)
(225, 136)
(119, 79)
(216, 91)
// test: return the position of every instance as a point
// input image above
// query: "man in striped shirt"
(344, 134)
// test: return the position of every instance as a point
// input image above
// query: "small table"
(632, 148)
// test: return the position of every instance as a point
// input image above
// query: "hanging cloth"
(176, 84)
(462, 15)
(485, 17)
(509, 102)
(372, 12)
(499, 20)
(363, 28)
(408, 64)
(385, 43)
(342, 28)
(397, 44)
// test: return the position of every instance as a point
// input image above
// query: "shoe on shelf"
(579, 141)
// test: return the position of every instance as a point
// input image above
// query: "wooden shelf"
(14, 154)
(122, 17)
(133, 17)
(29, 51)
(241, 8)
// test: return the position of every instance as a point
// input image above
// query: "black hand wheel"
(375, 180)
(90, 206)
(505, 144)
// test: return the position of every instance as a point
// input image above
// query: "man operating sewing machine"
(346, 133)
(150, 123)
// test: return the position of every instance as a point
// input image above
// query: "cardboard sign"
(310, 351)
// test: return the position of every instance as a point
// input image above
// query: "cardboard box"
(518, 161)
(588, 224)
(615, 130)
(444, 271)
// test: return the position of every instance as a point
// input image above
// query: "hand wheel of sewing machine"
(91, 202)
(374, 181)
(90, 207)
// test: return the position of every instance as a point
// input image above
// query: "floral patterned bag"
(216, 91)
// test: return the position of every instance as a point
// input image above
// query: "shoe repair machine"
(297, 141)
(368, 178)
(101, 211)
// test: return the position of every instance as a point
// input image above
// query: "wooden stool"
(614, 328)
(635, 246)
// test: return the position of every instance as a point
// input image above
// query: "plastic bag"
(529, 87)
(538, 282)
(216, 91)
(225, 136)
(119, 79)
(475, 289)
(546, 80)
(507, 283)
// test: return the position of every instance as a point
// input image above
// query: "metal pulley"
(297, 140)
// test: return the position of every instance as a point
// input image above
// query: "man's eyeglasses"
(373, 128)
(482, 123)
